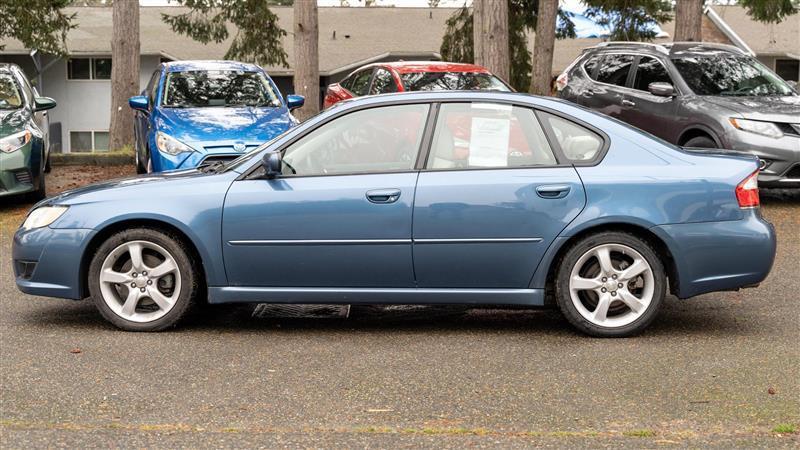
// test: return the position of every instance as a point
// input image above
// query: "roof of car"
(181, 66)
(429, 66)
(670, 48)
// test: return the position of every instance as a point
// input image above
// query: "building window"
(788, 69)
(89, 69)
(88, 141)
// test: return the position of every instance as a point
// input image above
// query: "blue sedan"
(415, 198)
(196, 113)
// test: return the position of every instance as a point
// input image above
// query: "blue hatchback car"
(196, 113)
(415, 198)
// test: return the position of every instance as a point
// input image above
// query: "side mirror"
(295, 101)
(43, 103)
(272, 164)
(139, 103)
(661, 89)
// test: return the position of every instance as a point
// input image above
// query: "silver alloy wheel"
(611, 285)
(140, 281)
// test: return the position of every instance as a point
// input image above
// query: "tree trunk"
(496, 55)
(306, 57)
(477, 32)
(688, 20)
(124, 71)
(543, 47)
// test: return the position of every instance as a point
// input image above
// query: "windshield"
(218, 88)
(452, 81)
(10, 97)
(730, 75)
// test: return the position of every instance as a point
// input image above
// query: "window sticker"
(488, 145)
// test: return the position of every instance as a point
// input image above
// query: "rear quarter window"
(578, 143)
(590, 65)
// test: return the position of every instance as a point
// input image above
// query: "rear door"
(607, 91)
(644, 110)
(382, 82)
(493, 196)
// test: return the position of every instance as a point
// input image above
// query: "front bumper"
(48, 262)
(720, 256)
(782, 155)
(16, 176)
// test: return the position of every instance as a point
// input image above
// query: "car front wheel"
(143, 280)
(610, 284)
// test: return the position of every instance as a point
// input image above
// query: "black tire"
(576, 251)
(41, 191)
(701, 142)
(190, 279)
(140, 168)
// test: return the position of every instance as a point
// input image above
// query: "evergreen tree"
(38, 24)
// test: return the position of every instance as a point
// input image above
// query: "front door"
(340, 215)
(493, 197)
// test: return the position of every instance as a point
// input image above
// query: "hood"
(85, 193)
(13, 120)
(199, 126)
(768, 108)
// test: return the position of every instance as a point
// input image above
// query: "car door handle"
(553, 190)
(383, 195)
(628, 103)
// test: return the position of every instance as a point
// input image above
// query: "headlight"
(14, 142)
(42, 217)
(170, 145)
(758, 127)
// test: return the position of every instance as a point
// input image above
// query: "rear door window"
(360, 83)
(383, 82)
(614, 69)
(488, 135)
(650, 70)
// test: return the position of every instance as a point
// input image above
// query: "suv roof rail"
(657, 47)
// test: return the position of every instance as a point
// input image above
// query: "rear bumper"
(47, 261)
(719, 256)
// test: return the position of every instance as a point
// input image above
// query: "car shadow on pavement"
(677, 318)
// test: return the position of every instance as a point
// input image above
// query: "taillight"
(747, 192)
(561, 81)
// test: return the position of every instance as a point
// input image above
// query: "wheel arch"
(697, 130)
(557, 252)
(110, 229)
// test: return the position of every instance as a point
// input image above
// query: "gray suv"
(694, 95)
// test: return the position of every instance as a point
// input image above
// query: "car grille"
(208, 160)
(793, 173)
(23, 176)
(792, 129)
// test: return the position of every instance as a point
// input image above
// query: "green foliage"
(38, 24)
(785, 428)
(458, 44)
(629, 20)
(258, 35)
(770, 11)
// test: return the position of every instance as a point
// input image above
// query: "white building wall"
(84, 105)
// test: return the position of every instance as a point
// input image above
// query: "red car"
(384, 78)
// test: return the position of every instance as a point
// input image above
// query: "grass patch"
(785, 428)
(639, 433)
(124, 155)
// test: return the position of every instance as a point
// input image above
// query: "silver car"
(694, 95)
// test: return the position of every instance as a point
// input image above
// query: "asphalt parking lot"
(720, 370)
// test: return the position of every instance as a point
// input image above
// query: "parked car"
(369, 202)
(196, 113)
(695, 95)
(402, 76)
(24, 135)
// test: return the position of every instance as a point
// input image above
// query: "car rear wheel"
(610, 284)
(701, 142)
(143, 280)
